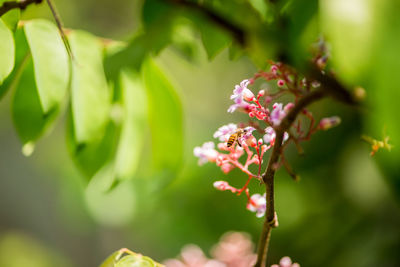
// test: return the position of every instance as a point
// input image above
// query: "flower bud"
(281, 83)
(359, 93)
(274, 69)
(260, 141)
(327, 123)
(260, 93)
(248, 95)
(251, 141)
(221, 185)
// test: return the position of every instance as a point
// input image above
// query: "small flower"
(281, 83)
(286, 262)
(270, 136)
(206, 153)
(277, 114)
(241, 94)
(225, 131)
(223, 185)
(274, 69)
(257, 204)
(327, 123)
(227, 167)
(241, 91)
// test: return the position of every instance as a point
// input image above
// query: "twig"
(9, 5)
(60, 27)
(268, 176)
(237, 32)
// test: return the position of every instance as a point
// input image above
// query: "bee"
(235, 137)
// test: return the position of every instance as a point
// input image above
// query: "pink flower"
(225, 131)
(241, 94)
(281, 83)
(223, 185)
(235, 250)
(270, 135)
(286, 262)
(278, 112)
(327, 123)
(257, 204)
(206, 153)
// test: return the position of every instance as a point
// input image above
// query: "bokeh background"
(343, 212)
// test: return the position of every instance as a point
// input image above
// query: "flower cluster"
(238, 140)
(234, 249)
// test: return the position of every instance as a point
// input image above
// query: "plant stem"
(268, 176)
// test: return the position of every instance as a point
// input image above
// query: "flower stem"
(268, 176)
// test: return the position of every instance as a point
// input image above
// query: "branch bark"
(9, 5)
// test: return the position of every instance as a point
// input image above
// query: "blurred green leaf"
(11, 18)
(350, 48)
(21, 53)
(214, 39)
(50, 60)
(111, 260)
(133, 126)
(383, 94)
(110, 207)
(7, 51)
(91, 96)
(165, 116)
(29, 119)
(135, 261)
(90, 157)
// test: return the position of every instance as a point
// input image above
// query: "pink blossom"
(193, 256)
(206, 153)
(281, 83)
(327, 123)
(235, 250)
(278, 112)
(286, 262)
(241, 94)
(223, 185)
(225, 131)
(274, 69)
(270, 135)
(257, 204)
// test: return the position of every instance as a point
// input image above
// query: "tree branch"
(268, 176)
(9, 5)
(237, 32)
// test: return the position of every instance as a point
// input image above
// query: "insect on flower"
(235, 137)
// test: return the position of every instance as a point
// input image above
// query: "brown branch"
(9, 5)
(237, 32)
(268, 176)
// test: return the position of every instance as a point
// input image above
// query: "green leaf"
(28, 117)
(111, 260)
(214, 39)
(135, 261)
(50, 60)
(11, 18)
(21, 53)
(134, 122)
(165, 116)
(110, 207)
(91, 96)
(90, 157)
(7, 51)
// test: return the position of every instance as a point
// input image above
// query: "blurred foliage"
(124, 119)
